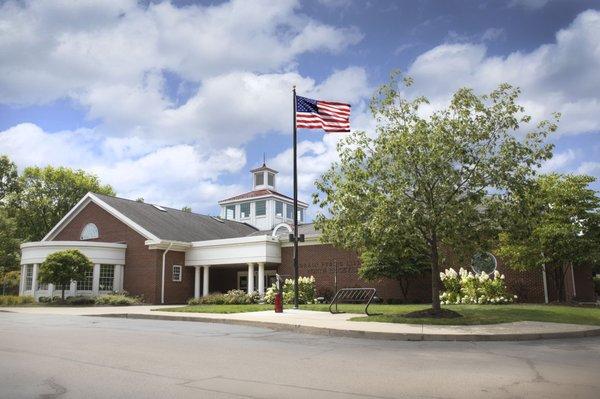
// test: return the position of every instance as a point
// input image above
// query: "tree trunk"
(404, 283)
(435, 275)
(62, 295)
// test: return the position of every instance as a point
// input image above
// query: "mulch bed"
(430, 313)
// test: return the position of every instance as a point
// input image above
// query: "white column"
(73, 288)
(50, 290)
(121, 270)
(34, 282)
(205, 282)
(261, 279)
(197, 282)
(22, 280)
(250, 278)
(96, 280)
(116, 278)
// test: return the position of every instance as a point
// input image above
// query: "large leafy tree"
(45, 195)
(430, 181)
(61, 267)
(9, 248)
(8, 177)
(555, 222)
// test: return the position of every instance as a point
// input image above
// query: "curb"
(333, 332)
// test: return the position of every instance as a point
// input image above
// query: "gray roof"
(176, 225)
(306, 229)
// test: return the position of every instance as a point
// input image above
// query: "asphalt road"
(92, 357)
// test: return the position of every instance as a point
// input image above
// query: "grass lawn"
(472, 314)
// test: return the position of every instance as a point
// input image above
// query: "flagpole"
(295, 206)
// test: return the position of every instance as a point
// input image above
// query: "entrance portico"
(231, 253)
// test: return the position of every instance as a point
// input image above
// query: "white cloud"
(55, 49)
(560, 76)
(589, 168)
(174, 175)
(560, 161)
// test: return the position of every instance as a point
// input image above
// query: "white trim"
(97, 252)
(180, 279)
(164, 244)
(249, 199)
(90, 197)
(311, 239)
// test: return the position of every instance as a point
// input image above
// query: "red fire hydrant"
(278, 303)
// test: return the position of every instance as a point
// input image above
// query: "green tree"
(430, 182)
(45, 195)
(187, 209)
(9, 246)
(554, 222)
(8, 177)
(60, 268)
(393, 263)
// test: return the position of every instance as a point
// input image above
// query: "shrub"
(232, 297)
(306, 291)
(48, 299)
(12, 300)
(468, 288)
(79, 300)
(117, 300)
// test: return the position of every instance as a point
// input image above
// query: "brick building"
(168, 255)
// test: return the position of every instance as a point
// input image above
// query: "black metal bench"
(353, 295)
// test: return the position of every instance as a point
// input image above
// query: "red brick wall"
(142, 266)
(319, 261)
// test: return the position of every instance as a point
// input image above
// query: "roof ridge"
(173, 209)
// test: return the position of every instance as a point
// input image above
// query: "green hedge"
(117, 300)
(12, 300)
(232, 297)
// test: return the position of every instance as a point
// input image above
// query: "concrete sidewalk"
(324, 323)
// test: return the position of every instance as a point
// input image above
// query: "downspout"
(162, 287)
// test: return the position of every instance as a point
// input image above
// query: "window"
(261, 208)
(176, 273)
(245, 210)
(107, 276)
(279, 208)
(230, 212)
(259, 179)
(89, 232)
(28, 277)
(271, 179)
(483, 262)
(87, 282)
(289, 211)
(300, 215)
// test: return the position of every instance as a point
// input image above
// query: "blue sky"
(176, 101)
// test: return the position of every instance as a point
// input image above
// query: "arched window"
(89, 232)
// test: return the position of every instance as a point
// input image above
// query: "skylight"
(160, 208)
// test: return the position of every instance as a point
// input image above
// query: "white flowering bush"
(306, 291)
(465, 287)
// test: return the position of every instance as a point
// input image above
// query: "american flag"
(330, 116)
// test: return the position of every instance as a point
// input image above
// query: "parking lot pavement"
(62, 356)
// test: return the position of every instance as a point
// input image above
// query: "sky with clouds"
(175, 101)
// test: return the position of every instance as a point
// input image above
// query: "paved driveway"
(60, 356)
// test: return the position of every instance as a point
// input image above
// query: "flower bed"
(306, 291)
(465, 287)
